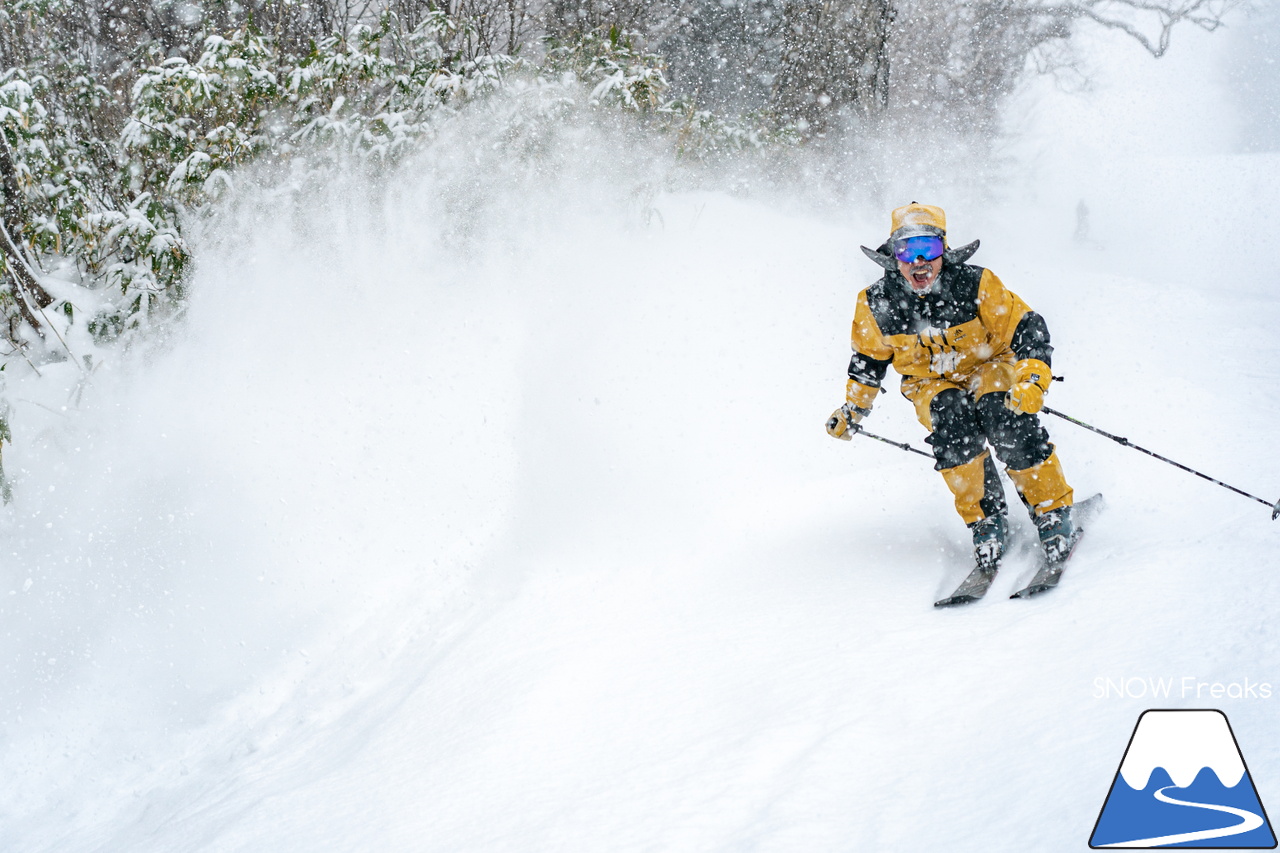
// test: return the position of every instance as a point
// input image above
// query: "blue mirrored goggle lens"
(924, 248)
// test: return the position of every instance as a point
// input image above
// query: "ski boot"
(989, 536)
(988, 548)
(1058, 534)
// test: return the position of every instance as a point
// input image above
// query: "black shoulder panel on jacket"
(967, 278)
(1031, 338)
(890, 304)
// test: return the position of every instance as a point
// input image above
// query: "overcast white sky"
(1253, 76)
(1212, 93)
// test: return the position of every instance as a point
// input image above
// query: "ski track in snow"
(537, 543)
(1248, 822)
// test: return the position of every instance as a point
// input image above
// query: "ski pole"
(898, 444)
(1275, 507)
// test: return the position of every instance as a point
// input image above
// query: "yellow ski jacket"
(966, 319)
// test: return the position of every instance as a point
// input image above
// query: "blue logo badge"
(1183, 783)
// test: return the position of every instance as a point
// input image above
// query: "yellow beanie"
(916, 219)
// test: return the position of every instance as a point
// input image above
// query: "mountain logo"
(1183, 783)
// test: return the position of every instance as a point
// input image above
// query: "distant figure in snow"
(1082, 222)
(975, 363)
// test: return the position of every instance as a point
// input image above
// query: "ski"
(1050, 572)
(980, 578)
(973, 588)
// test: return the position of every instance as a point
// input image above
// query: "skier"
(974, 360)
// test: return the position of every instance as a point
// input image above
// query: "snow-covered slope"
(531, 538)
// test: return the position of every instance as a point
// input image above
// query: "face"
(921, 274)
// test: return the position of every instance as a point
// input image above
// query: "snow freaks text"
(1184, 687)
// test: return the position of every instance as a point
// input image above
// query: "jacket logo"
(942, 357)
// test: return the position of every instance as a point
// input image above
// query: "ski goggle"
(925, 248)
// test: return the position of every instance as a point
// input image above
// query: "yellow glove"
(1032, 378)
(843, 422)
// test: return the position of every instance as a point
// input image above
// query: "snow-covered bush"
(108, 158)
(192, 123)
(618, 74)
(64, 212)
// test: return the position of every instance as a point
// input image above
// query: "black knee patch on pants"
(957, 434)
(1018, 439)
(992, 502)
(958, 438)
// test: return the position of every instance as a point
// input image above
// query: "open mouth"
(921, 276)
